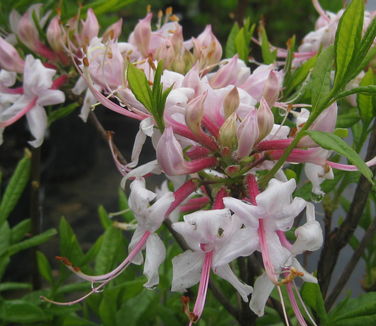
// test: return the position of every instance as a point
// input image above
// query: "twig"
(339, 237)
(351, 264)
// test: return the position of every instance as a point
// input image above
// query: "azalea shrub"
(254, 147)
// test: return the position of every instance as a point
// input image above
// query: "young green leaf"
(321, 78)
(139, 86)
(365, 103)
(69, 246)
(103, 217)
(268, 55)
(15, 187)
(366, 90)
(330, 141)
(312, 296)
(44, 267)
(20, 312)
(19, 231)
(348, 36)
(60, 113)
(230, 49)
(11, 286)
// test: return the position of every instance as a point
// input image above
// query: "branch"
(368, 236)
(340, 236)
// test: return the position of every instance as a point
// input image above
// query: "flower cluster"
(217, 127)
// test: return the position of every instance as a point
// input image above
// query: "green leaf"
(32, 242)
(332, 142)
(103, 6)
(341, 132)
(20, 311)
(348, 36)
(107, 309)
(268, 55)
(139, 86)
(366, 90)
(359, 311)
(300, 74)
(312, 296)
(321, 78)
(44, 267)
(60, 113)
(20, 230)
(69, 246)
(11, 286)
(15, 187)
(103, 217)
(230, 49)
(348, 119)
(107, 252)
(365, 104)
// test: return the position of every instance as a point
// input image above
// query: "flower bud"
(231, 102)
(234, 72)
(55, 35)
(194, 114)
(90, 28)
(113, 31)
(141, 35)
(265, 119)
(271, 88)
(9, 58)
(227, 133)
(207, 48)
(27, 31)
(247, 133)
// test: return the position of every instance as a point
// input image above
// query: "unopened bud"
(227, 133)
(194, 113)
(113, 31)
(90, 28)
(271, 88)
(9, 58)
(265, 119)
(55, 35)
(231, 102)
(247, 133)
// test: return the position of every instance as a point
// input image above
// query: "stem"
(368, 236)
(35, 212)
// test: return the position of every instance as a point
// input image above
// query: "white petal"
(226, 273)
(186, 269)
(307, 277)
(51, 97)
(136, 237)
(158, 211)
(150, 167)
(80, 86)
(261, 292)
(89, 100)
(247, 212)
(37, 120)
(242, 243)
(155, 255)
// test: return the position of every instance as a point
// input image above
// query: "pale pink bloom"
(247, 134)
(9, 57)
(113, 31)
(207, 48)
(37, 93)
(141, 35)
(215, 238)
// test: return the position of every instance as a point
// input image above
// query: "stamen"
(283, 306)
(303, 304)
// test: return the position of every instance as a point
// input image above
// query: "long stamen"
(283, 305)
(103, 279)
(203, 288)
(294, 305)
(303, 304)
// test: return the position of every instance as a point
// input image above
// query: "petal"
(37, 120)
(307, 277)
(261, 291)
(51, 97)
(154, 257)
(186, 270)
(136, 237)
(157, 212)
(142, 170)
(248, 213)
(226, 273)
(242, 243)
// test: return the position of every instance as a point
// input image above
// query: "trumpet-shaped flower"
(216, 238)
(37, 93)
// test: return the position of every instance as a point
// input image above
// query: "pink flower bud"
(271, 88)
(170, 157)
(55, 35)
(265, 119)
(227, 133)
(9, 58)
(231, 102)
(27, 31)
(90, 28)
(141, 35)
(194, 114)
(247, 133)
(113, 31)
(207, 48)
